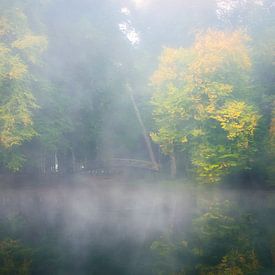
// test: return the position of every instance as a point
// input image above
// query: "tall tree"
(200, 103)
(20, 50)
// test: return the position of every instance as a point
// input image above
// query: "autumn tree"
(201, 104)
(20, 50)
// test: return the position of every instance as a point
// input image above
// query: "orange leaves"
(171, 66)
(214, 52)
(215, 49)
(164, 74)
(198, 102)
(195, 74)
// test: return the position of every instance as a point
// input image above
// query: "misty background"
(137, 137)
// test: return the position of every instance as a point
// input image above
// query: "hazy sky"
(224, 3)
(127, 27)
(141, 3)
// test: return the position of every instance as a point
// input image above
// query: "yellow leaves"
(237, 263)
(238, 119)
(8, 139)
(199, 88)
(232, 111)
(18, 48)
(3, 50)
(163, 74)
(15, 119)
(215, 49)
(213, 161)
(184, 139)
(173, 57)
(194, 71)
(205, 65)
(29, 41)
(197, 132)
(207, 98)
(170, 67)
(216, 90)
(17, 68)
(211, 109)
(272, 130)
(26, 119)
(200, 113)
(4, 26)
(170, 56)
(11, 66)
(32, 45)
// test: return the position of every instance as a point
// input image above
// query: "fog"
(90, 225)
(137, 137)
(91, 219)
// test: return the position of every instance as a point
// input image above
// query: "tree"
(201, 103)
(258, 18)
(220, 240)
(20, 50)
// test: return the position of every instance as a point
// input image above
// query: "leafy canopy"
(200, 102)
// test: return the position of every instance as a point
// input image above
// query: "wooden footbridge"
(117, 165)
(135, 163)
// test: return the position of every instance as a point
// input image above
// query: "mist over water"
(101, 226)
(112, 219)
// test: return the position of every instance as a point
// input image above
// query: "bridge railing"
(135, 163)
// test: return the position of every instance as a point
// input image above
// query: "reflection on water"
(106, 227)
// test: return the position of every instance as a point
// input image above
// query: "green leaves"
(19, 48)
(212, 162)
(15, 117)
(198, 102)
(15, 258)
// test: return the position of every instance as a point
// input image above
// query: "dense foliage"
(200, 103)
(64, 94)
(221, 240)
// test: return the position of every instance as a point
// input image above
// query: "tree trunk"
(43, 163)
(74, 169)
(145, 135)
(173, 166)
(56, 166)
(273, 250)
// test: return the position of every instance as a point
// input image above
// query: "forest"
(137, 137)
